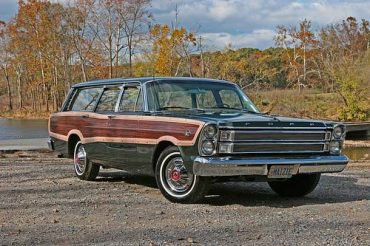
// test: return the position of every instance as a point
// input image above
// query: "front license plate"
(282, 171)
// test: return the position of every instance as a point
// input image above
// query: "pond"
(357, 153)
(23, 129)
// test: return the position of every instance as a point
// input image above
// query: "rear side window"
(108, 100)
(85, 99)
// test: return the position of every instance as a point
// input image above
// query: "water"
(357, 153)
(23, 129)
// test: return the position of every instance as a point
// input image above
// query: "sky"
(241, 23)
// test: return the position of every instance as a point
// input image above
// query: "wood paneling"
(125, 128)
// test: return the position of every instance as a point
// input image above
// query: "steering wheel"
(225, 105)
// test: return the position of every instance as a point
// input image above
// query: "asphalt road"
(41, 202)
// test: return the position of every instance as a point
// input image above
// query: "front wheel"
(298, 185)
(174, 180)
(84, 168)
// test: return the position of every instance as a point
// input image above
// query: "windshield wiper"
(224, 107)
(239, 109)
(253, 112)
(184, 108)
(173, 107)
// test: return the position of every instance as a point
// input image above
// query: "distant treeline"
(46, 47)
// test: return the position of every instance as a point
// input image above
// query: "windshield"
(197, 95)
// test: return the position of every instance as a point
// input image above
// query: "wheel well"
(72, 141)
(158, 150)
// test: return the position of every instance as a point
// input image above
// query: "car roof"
(142, 80)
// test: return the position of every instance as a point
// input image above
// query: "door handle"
(111, 116)
(85, 116)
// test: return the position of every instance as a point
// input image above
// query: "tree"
(344, 57)
(171, 47)
(77, 19)
(300, 46)
(107, 25)
(136, 19)
(5, 58)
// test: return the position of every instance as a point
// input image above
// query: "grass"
(24, 114)
(307, 104)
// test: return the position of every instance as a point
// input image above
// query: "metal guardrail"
(358, 130)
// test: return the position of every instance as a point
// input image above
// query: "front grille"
(279, 136)
(274, 140)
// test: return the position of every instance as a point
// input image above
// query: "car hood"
(244, 119)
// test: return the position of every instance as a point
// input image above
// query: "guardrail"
(358, 130)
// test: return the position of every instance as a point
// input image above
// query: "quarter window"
(85, 99)
(131, 100)
(108, 100)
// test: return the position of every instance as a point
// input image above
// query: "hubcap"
(80, 159)
(177, 177)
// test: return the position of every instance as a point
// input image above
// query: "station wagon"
(189, 133)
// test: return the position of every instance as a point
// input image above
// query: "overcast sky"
(242, 23)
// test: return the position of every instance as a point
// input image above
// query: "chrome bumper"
(232, 166)
(51, 144)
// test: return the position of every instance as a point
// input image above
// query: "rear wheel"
(298, 185)
(84, 168)
(174, 180)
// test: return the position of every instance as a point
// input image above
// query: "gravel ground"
(41, 202)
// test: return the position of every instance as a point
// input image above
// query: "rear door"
(104, 135)
(123, 125)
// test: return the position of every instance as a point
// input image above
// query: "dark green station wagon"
(189, 133)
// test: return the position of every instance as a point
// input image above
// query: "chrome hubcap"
(178, 178)
(80, 159)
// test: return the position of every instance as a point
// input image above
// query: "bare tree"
(302, 43)
(107, 25)
(78, 17)
(5, 58)
(136, 19)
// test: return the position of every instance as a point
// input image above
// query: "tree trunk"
(9, 92)
(19, 89)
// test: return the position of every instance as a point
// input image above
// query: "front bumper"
(233, 166)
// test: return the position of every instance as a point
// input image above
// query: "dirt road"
(41, 202)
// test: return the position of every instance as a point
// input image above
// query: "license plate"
(282, 171)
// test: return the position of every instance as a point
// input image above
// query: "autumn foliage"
(47, 47)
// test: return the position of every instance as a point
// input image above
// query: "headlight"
(338, 131)
(210, 131)
(208, 147)
(208, 140)
(335, 147)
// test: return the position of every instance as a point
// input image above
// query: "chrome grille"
(274, 141)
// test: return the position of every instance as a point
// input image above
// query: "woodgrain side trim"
(58, 136)
(106, 132)
(65, 138)
(130, 117)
